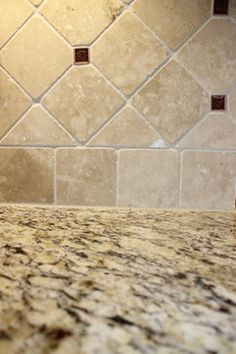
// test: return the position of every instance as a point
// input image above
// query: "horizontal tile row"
(128, 178)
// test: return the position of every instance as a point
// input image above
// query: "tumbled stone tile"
(148, 178)
(232, 103)
(12, 14)
(208, 180)
(38, 128)
(81, 21)
(26, 175)
(232, 8)
(173, 20)
(86, 176)
(41, 56)
(134, 50)
(128, 128)
(13, 102)
(82, 101)
(210, 55)
(172, 105)
(216, 131)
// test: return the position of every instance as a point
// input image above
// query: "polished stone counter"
(104, 281)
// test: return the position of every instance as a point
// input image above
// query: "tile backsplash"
(118, 103)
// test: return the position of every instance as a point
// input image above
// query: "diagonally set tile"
(173, 20)
(80, 21)
(13, 102)
(134, 50)
(82, 101)
(39, 63)
(172, 106)
(38, 128)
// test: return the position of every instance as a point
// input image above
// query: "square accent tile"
(82, 56)
(218, 102)
(220, 7)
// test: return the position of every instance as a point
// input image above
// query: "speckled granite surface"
(83, 281)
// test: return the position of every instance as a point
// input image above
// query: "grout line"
(55, 178)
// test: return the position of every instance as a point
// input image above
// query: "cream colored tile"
(128, 128)
(148, 178)
(82, 101)
(86, 176)
(172, 101)
(12, 14)
(127, 53)
(36, 2)
(210, 55)
(232, 103)
(173, 20)
(81, 21)
(41, 56)
(208, 180)
(216, 131)
(38, 128)
(26, 175)
(232, 8)
(13, 102)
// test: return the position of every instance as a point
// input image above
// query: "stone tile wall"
(133, 127)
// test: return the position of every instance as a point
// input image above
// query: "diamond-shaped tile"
(172, 101)
(36, 56)
(232, 8)
(216, 131)
(128, 128)
(12, 14)
(38, 128)
(128, 52)
(173, 20)
(81, 21)
(13, 102)
(211, 54)
(82, 101)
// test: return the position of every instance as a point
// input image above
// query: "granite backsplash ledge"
(127, 103)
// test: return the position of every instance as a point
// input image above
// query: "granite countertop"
(102, 281)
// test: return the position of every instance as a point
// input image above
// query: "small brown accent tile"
(81, 56)
(221, 7)
(218, 102)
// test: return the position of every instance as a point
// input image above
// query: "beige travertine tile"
(210, 55)
(128, 128)
(148, 178)
(127, 53)
(13, 102)
(172, 101)
(38, 128)
(12, 15)
(208, 180)
(82, 101)
(173, 20)
(232, 103)
(216, 131)
(81, 21)
(41, 56)
(36, 2)
(86, 176)
(232, 8)
(26, 175)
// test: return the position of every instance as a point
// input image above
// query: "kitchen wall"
(118, 103)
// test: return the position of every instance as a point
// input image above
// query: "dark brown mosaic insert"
(221, 7)
(218, 102)
(81, 56)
